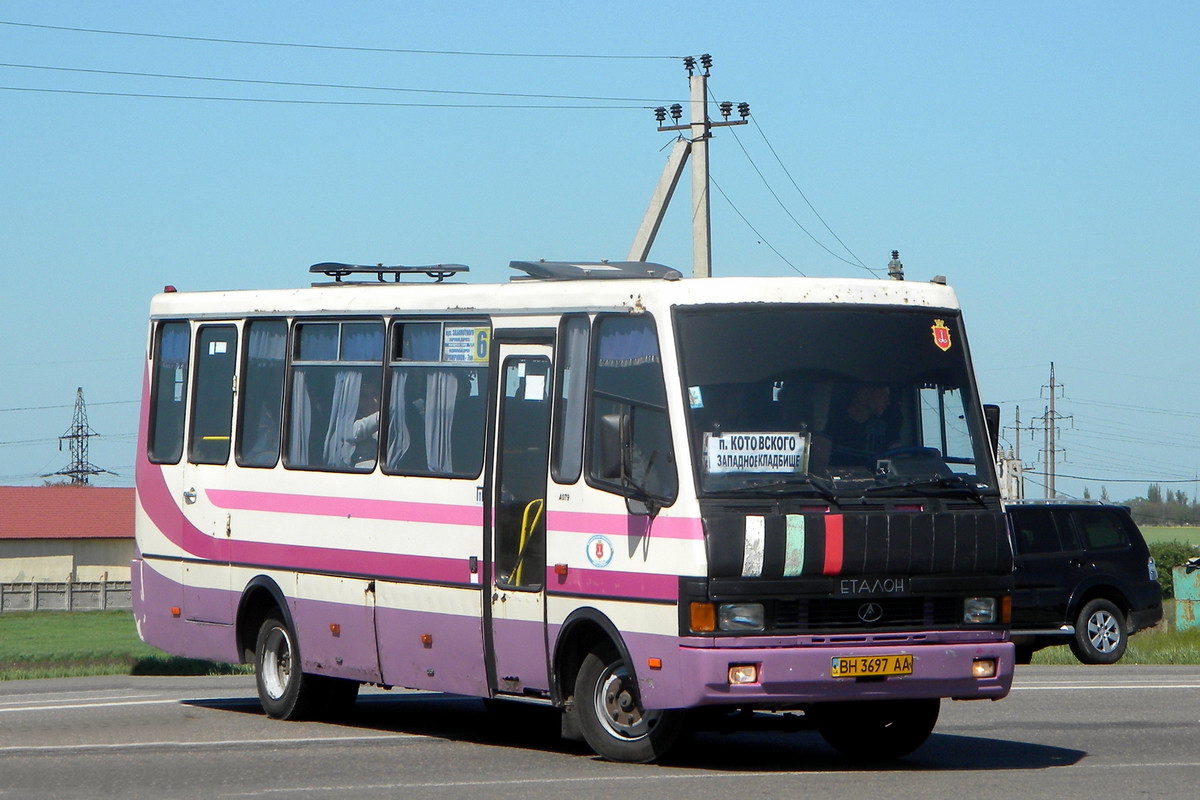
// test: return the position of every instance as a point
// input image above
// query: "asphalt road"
(1088, 732)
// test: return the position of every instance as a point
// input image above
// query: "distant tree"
(1104, 494)
(1087, 495)
(1164, 508)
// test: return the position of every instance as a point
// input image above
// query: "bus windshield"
(833, 401)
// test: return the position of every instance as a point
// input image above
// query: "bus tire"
(877, 730)
(611, 717)
(284, 691)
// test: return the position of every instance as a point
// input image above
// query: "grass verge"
(65, 644)
(1179, 533)
(1162, 644)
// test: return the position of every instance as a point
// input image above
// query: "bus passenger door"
(518, 520)
(207, 528)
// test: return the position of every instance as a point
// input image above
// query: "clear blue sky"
(1043, 156)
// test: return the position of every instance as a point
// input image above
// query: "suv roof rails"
(439, 272)
(1061, 501)
(592, 270)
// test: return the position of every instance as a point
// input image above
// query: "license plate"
(871, 666)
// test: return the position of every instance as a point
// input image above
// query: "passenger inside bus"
(858, 430)
(364, 433)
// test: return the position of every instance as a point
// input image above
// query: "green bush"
(1168, 555)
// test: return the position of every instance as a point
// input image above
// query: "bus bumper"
(801, 675)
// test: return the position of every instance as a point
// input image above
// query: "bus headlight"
(740, 616)
(979, 610)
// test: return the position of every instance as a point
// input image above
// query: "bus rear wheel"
(611, 716)
(877, 730)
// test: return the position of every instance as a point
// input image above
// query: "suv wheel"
(1100, 633)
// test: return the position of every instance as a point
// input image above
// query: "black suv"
(1083, 577)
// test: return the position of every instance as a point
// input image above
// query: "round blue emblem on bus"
(599, 551)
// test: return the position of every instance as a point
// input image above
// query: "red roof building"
(55, 533)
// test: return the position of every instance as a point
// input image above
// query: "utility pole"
(78, 435)
(697, 147)
(1020, 468)
(1050, 419)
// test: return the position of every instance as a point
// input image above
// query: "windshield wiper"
(952, 483)
(821, 486)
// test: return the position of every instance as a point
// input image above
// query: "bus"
(641, 499)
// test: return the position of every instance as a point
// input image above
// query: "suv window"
(1035, 533)
(1101, 529)
(1042, 530)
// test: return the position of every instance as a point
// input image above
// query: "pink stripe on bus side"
(625, 525)
(606, 583)
(323, 506)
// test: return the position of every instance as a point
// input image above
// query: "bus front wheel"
(611, 716)
(876, 730)
(284, 691)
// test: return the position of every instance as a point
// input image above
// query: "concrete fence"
(65, 596)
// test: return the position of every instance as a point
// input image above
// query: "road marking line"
(301, 790)
(527, 782)
(103, 704)
(31, 698)
(223, 743)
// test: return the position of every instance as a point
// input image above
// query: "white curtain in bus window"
(169, 391)
(262, 393)
(212, 407)
(436, 408)
(336, 381)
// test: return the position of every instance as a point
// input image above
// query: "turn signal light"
(703, 617)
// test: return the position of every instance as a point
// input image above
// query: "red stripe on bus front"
(833, 544)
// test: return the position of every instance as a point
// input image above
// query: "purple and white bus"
(599, 487)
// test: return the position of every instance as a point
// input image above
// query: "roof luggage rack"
(592, 270)
(439, 272)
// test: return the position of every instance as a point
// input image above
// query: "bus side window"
(212, 402)
(627, 383)
(262, 393)
(337, 373)
(170, 379)
(566, 461)
(437, 387)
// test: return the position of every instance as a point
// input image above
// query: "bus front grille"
(828, 614)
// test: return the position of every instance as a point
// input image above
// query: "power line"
(316, 102)
(761, 238)
(787, 172)
(307, 85)
(348, 48)
(1125, 407)
(1119, 480)
(71, 405)
(791, 216)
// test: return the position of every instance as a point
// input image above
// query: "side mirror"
(614, 437)
(991, 416)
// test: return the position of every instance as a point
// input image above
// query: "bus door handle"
(189, 496)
